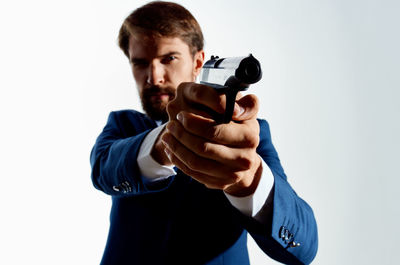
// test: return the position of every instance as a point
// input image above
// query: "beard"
(155, 100)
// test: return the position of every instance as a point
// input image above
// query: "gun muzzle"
(233, 72)
(229, 76)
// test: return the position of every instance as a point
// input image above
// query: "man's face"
(159, 65)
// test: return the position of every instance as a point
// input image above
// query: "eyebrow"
(169, 54)
(142, 60)
(137, 60)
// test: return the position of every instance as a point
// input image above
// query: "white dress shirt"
(250, 205)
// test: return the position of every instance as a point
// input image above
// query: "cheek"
(172, 77)
(137, 76)
(191, 72)
(186, 73)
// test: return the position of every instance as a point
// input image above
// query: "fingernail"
(167, 152)
(179, 117)
(164, 141)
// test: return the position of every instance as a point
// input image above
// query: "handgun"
(229, 76)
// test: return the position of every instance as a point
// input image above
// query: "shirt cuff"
(252, 204)
(150, 169)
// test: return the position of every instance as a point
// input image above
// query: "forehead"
(145, 47)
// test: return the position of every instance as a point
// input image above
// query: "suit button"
(126, 186)
(283, 232)
(123, 187)
(293, 244)
(289, 237)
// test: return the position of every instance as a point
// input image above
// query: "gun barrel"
(233, 71)
(229, 76)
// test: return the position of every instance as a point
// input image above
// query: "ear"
(198, 61)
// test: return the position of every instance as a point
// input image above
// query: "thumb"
(246, 108)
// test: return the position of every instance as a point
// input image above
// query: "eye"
(168, 59)
(138, 63)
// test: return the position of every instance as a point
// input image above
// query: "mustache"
(156, 90)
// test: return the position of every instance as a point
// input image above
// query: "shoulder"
(131, 121)
(264, 125)
(128, 114)
(264, 129)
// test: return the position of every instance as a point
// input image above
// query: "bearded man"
(185, 189)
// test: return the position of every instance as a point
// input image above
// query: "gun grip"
(230, 105)
(230, 94)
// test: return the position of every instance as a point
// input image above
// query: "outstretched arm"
(286, 218)
(226, 157)
(113, 158)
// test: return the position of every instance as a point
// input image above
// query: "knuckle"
(235, 177)
(214, 132)
(253, 161)
(201, 147)
(197, 91)
(206, 148)
(244, 161)
(251, 140)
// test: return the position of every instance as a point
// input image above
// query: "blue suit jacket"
(179, 220)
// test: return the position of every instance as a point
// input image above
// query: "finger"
(245, 134)
(199, 164)
(237, 110)
(203, 95)
(246, 108)
(180, 102)
(234, 158)
(210, 182)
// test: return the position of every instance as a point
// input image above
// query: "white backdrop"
(330, 91)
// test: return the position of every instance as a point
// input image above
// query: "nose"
(156, 74)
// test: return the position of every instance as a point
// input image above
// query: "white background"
(330, 91)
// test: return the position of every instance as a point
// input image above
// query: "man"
(186, 190)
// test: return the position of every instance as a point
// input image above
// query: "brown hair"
(162, 19)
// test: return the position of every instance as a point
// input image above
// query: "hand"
(221, 156)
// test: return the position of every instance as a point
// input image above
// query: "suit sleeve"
(292, 225)
(114, 160)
